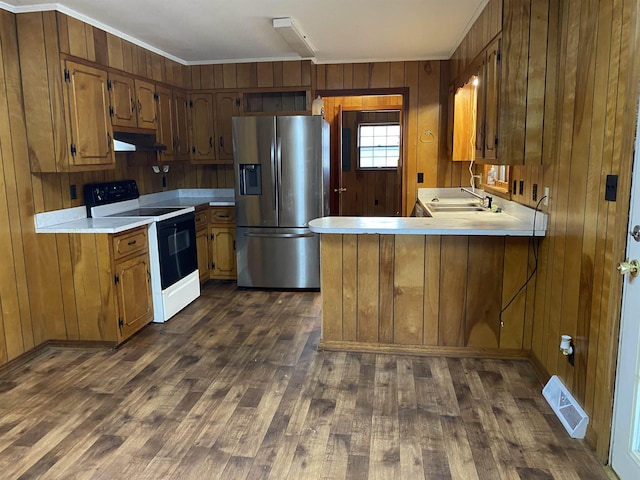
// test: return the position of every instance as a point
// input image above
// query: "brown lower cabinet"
(216, 243)
(202, 242)
(133, 281)
(109, 286)
(222, 243)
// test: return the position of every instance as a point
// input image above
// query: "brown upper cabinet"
(123, 103)
(88, 124)
(146, 103)
(228, 104)
(203, 135)
(181, 117)
(133, 102)
(488, 97)
(509, 60)
(166, 132)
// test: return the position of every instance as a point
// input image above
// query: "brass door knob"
(627, 266)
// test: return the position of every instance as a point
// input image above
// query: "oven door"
(177, 248)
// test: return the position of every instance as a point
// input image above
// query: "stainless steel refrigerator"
(281, 166)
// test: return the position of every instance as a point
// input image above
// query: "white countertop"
(514, 220)
(220, 197)
(74, 220)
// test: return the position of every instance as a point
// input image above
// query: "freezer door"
(254, 157)
(278, 258)
(299, 149)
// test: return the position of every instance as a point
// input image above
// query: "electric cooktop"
(147, 212)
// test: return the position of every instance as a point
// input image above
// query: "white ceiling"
(221, 31)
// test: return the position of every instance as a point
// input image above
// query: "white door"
(625, 443)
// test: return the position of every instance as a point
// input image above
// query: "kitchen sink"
(455, 207)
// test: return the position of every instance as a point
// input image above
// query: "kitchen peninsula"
(442, 284)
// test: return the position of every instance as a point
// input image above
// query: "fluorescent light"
(293, 36)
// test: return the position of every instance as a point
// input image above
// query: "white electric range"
(172, 246)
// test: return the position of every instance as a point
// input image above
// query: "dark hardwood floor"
(234, 388)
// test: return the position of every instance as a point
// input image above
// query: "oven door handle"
(280, 235)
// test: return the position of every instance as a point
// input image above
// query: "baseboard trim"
(422, 350)
(24, 358)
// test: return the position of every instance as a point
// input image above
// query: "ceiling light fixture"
(293, 36)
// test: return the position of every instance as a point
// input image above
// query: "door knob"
(629, 267)
(339, 190)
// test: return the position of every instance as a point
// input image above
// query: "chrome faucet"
(487, 198)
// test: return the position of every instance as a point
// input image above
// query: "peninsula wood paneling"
(436, 294)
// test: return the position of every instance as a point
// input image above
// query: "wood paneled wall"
(252, 75)
(578, 291)
(424, 122)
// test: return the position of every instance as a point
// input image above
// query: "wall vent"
(566, 407)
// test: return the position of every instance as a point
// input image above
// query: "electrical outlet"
(73, 192)
(521, 189)
(420, 177)
(534, 194)
(547, 191)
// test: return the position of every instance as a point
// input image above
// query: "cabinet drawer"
(202, 220)
(129, 242)
(222, 215)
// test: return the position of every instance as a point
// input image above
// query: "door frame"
(335, 168)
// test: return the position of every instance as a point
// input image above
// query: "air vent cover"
(572, 416)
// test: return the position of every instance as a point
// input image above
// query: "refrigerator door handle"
(280, 235)
(274, 165)
(278, 171)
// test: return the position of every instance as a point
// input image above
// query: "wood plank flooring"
(234, 388)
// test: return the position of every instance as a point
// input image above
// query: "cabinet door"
(88, 123)
(133, 290)
(481, 89)
(222, 243)
(181, 116)
(122, 94)
(146, 104)
(202, 127)
(166, 124)
(492, 99)
(464, 127)
(227, 106)
(202, 245)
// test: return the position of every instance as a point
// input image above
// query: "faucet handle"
(489, 199)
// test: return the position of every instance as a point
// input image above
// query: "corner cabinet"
(222, 243)
(88, 123)
(132, 281)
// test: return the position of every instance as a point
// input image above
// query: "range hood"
(136, 142)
